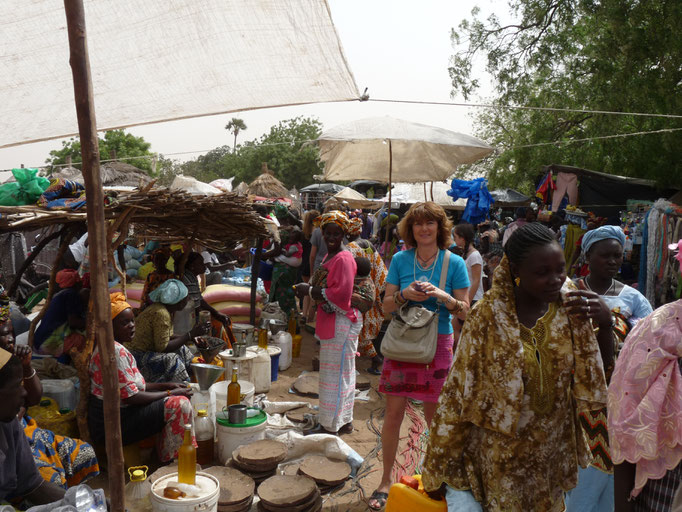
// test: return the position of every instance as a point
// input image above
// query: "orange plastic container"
(402, 498)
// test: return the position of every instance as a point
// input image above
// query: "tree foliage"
(609, 55)
(125, 145)
(283, 148)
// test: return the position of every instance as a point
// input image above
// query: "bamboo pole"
(98, 245)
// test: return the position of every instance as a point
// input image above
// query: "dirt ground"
(368, 418)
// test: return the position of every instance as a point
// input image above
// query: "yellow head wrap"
(336, 217)
(118, 304)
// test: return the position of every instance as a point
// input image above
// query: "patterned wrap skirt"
(415, 380)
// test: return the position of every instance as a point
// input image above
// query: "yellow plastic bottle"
(402, 498)
(187, 459)
(234, 390)
(263, 338)
(291, 326)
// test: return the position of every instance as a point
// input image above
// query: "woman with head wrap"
(374, 317)
(63, 324)
(161, 355)
(505, 436)
(603, 249)
(645, 411)
(160, 274)
(337, 328)
(146, 408)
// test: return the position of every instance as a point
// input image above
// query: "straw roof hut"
(114, 174)
(266, 185)
(242, 189)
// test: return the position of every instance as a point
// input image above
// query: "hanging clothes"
(545, 188)
(479, 198)
(566, 183)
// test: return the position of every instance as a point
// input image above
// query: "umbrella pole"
(425, 199)
(388, 215)
(431, 190)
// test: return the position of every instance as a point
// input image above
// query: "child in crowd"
(364, 291)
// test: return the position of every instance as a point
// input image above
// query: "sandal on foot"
(380, 498)
(346, 429)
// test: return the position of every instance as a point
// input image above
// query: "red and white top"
(130, 380)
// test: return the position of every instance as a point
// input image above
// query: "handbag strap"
(444, 272)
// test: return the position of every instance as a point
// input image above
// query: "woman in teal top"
(414, 276)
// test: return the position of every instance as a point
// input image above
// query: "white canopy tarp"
(158, 60)
(410, 193)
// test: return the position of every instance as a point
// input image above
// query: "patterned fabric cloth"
(284, 277)
(506, 426)
(645, 397)
(177, 410)
(418, 381)
(4, 306)
(334, 217)
(63, 193)
(61, 460)
(372, 319)
(364, 293)
(153, 329)
(337, 373)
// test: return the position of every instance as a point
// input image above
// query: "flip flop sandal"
(380, 498)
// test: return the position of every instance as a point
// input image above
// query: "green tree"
(610, 55)
(283, 148)
(124, 145)
(235, 126)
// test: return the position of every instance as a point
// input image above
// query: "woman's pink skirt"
(418, 381)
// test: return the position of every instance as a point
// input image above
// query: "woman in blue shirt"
(414, 276)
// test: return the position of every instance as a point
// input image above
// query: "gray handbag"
(412, 335)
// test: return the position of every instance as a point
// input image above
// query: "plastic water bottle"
(205, 434)
(138, 490)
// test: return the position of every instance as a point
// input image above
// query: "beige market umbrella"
(395, 150)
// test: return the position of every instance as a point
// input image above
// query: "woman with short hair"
(414, 278)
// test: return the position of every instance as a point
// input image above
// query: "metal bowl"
(276, 326)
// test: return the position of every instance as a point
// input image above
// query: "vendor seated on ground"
(146, 408)
(63, 325)
(61, 460)
(161, 355)
(19, 476)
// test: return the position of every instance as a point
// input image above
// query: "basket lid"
(258, 419)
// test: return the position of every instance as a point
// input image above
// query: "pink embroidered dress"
(645, 397)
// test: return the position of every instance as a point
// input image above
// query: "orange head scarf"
(118, 304)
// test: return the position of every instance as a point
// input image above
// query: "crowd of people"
(552, 386)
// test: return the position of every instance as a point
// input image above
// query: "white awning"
(159, 60)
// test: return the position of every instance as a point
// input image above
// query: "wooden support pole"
(387, 256)
(34, 254)
(97, 245)
(255, 267)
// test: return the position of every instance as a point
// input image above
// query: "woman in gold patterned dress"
(506, 434)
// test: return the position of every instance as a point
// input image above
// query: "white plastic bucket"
(62, 391)
(261, 369)
(283, 340)
(247, 391)
(206, 502)
(231, 438)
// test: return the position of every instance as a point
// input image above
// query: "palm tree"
(235, 126)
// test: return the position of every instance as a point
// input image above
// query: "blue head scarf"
(602, 233)
(169, 292)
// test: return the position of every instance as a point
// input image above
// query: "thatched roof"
(242, 189)
(159, 213)
(266, 185)
(113, 174)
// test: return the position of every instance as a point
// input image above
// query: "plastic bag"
(26, 190)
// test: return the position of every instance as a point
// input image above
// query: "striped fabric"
(337, 374)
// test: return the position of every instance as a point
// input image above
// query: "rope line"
(524, 107)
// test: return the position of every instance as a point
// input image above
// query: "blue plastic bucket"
(274, 352)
